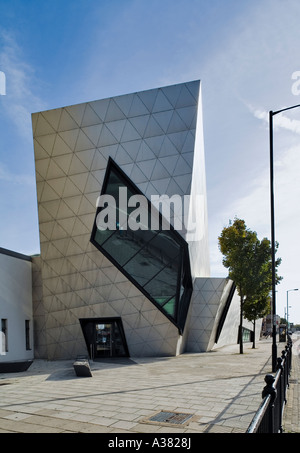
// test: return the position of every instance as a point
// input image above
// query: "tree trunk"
(241, 326)
(253, 344)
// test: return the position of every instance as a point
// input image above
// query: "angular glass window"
(155, 261)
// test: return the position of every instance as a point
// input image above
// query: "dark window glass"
(102, 236)
(170, 306)
(163, 286)
(27, 334)
(156, 261)
(4, 335)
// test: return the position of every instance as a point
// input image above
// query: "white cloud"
(19, 100)
(282, 121)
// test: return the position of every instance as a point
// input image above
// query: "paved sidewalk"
(221, 390)
(291, 415)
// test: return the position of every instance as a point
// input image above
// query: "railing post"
(279, 363)
(285, 356)
(268, 418)
(270, 390)
(289, 347)
(281, 385)
(282, 365)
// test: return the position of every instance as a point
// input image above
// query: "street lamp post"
(274, 346)
(287, 306)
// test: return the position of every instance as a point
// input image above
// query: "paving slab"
(221, 389)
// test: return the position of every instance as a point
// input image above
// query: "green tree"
(249, 262)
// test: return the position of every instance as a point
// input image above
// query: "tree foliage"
(249, 262)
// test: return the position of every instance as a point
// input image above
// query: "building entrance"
(104, 337)
(108, 341)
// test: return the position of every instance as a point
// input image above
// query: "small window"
(4, 335)
(27, 334)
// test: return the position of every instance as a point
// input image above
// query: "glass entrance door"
(104, 337)
(103, 340)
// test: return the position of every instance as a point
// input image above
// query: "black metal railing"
(268, 418)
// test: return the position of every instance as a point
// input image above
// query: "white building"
(16, 317)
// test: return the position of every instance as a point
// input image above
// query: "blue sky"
(57, 53)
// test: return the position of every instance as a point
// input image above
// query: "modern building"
(124, 265)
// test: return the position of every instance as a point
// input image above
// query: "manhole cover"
(170, 417)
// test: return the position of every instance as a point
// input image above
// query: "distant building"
(267, 324)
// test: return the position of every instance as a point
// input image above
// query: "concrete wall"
(208, 302)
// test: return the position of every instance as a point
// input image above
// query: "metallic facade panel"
(155, 137)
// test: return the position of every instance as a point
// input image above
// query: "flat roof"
(20, 256)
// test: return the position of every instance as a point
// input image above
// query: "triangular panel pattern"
(209, 296)
(151, 136)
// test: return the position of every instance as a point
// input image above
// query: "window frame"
(4, 330)
(27, 335)
(184, 278)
